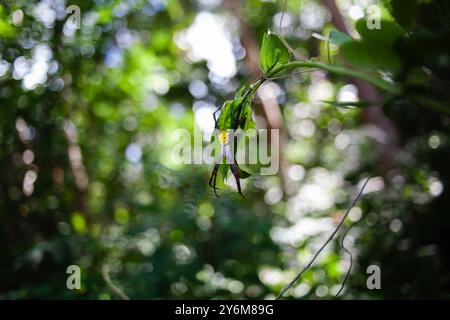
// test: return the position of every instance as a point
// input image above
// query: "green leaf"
(385, 37)
(249, 122)
(248, 161)
(224, 169)
(358, 55)
(339, 38)
(402, 10)
(366, 55)
(375, 50)
(233, 111)
(243, 174)
(273, 52)
(226, 117)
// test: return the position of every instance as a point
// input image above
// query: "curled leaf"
(273, 52)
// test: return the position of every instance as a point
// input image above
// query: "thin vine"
(338, 227)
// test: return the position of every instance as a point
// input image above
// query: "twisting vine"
(349, 254)
(299, 275)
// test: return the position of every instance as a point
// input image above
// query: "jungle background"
(86, 176)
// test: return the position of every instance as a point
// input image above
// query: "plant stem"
(339, 70)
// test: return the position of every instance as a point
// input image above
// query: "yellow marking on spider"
(223, 137)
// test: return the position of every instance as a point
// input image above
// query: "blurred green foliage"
(86, 123)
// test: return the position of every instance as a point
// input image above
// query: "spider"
(225, 138)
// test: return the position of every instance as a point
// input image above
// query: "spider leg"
(233, 166)
(214, 116)
(235, 172)
(213, 178)
(215, 188)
